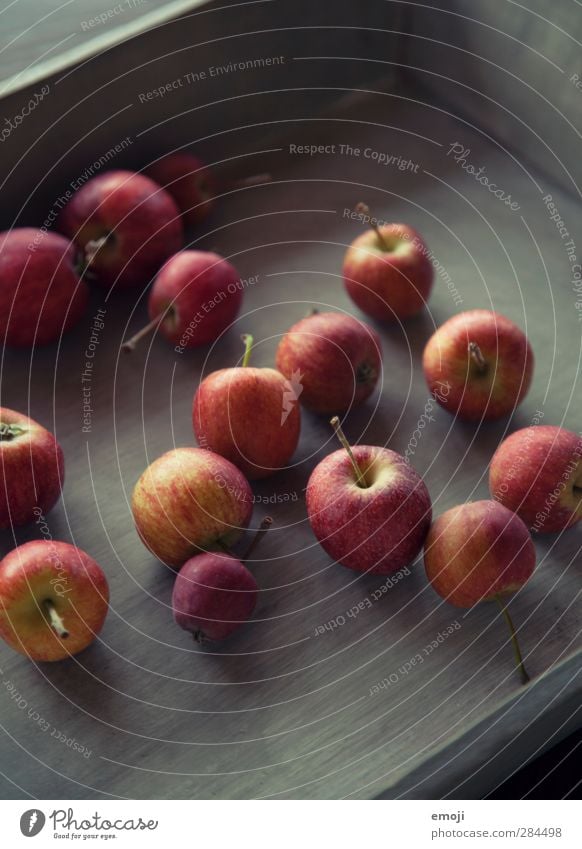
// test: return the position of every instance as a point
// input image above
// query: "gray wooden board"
(278, 711)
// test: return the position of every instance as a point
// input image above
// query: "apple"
(484, 360)
(32, 469)
(248, 415)
(368, 507)
(53, 599)
(189, 500)
(125, 224)
(193, 184)
(195, 297)
(334, 357)
(480, 551)
(41, 295)
(387, 271)
(537, 473)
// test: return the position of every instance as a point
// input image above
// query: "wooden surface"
(279, 711)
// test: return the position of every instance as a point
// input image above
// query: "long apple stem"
(55, 620)
(260, 533)
(253, 180)
(335, 423)
(248, 340)
(364, 209)
(130, 345)
(516, 649)
(477, 356)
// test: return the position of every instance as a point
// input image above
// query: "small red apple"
(387, 271)
(537, 473)
(195, 297)
(32, 469)
(334, 357)
(53, 599)
(484, 360)
(368, 508)
(248, 415)
(125, 224)
(480, 551)
(41, 295)
(189, 500)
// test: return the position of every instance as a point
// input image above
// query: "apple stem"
(259, 534)
(364, 209)
(93, 247)
(248, 340)
(477, 356)
(55, 620)
(8, 432)
(130, 345)
(253, 180)
(335, 423)
(516, 649)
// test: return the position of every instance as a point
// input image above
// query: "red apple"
(480, 551)
(484, 360)
(334, 358)
(125, 224)
(32, 469)
(189, 500)
(189, 181)
(387, 271)
(537, 473)
(248, 415)
(214, 594)
(195, 297)
(41, 295)
(368, 508)
(53, 599)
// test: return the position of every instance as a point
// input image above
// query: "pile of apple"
(366, 505)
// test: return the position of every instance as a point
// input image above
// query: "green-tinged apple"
(486, 362)
(190, 500)
(480, 551)
(53, 599)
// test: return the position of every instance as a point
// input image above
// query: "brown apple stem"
(130, 345)
(477, 356)
(248, 340)
(364, 209)
(516, 649)
(92, 248)
(55, 620)
(8, 432)
(259, 534)
(335, 423)
(253, 180)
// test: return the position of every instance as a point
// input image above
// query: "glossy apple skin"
(537, 473)
(335, 359)
(389, 285)
(63, 574)
(141, 219)
(32, 469)
(201, 294)
(189, 500)
(378, 529)
(476, 551)
(471, 395)
(41, 295)
(214, 594)
(250, 416)
(189, 181)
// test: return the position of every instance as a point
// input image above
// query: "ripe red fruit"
(190, 182)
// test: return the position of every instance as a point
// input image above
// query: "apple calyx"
(248, 343)
(93, 247)
(130, 345)
(259, 534)
(366, 373)
(8, 432)
(525, 679)
(54, 619)
(476, 355)
(364, 209)
(360, 478)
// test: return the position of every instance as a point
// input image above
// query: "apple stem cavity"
(55, 620)
(260, 533)
(360, 479)
(8, 432)
(248, 342)
(516, 649)
(364, 209)
(477, 356)
(130, 345)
